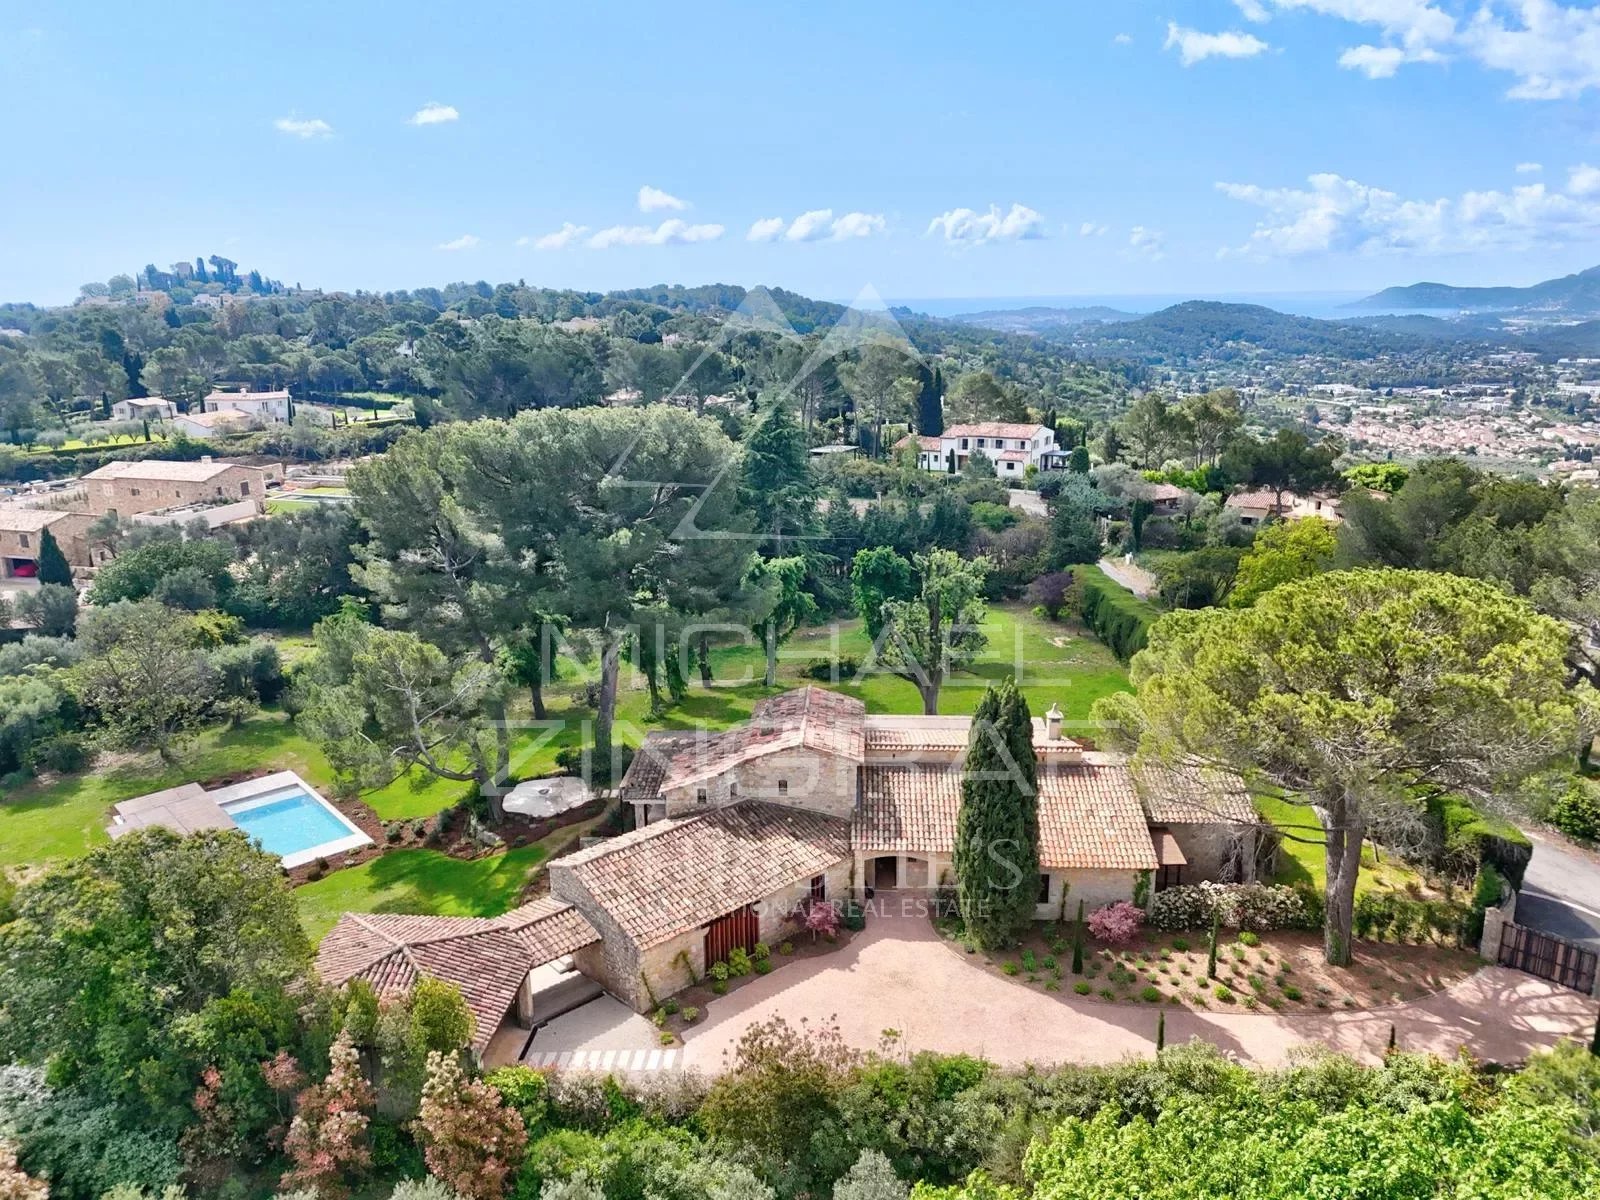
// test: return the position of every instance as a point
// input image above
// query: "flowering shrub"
(822, 919)
(1258, 906)
(471, 1140)
(15, 1183)
(327, 1140)
(1115, 924)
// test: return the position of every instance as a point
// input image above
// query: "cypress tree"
(1161, 1034)
(1394, 1042)
(53, 566)
(996, 829)
(1211, 945)
(1077, 942)
(930, 405)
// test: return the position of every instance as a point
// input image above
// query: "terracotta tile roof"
(1168, 491)
(905, 735)
(163, 469)
(642, 781)
(676, 875)
(999, 429)
(1264, 499)
(16, 519)
(486, 957)
(1089, 814)
(1191, 794)
(810, 716)
(921, 443)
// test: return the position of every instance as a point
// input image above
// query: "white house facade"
(267, 407)
(1012, 447)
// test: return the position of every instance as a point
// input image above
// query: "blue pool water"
(291, 825)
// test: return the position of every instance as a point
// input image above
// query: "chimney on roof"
(205, 458)
(1052, 723)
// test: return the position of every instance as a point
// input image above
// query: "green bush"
(739, 963)
(1151, 994)
(1247, 938)
(1116, 616)
(1083, 987)
(1576, 811)
(855, 919)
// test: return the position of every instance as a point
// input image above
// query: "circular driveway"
(900, 975)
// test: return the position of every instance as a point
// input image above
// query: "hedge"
(1468, 839)
(1114, 614)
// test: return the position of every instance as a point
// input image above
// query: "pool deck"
(190, 807)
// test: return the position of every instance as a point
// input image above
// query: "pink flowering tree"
(327, 1140)
(283, 1075)
(1115, 924)
(15, 1183)
(471, 1140)
(822, 919)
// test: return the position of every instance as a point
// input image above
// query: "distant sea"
(1327, 306)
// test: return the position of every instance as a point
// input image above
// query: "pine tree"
(53, 567)
(996, 852)
(777, 474)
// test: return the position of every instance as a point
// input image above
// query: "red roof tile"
(810, 716)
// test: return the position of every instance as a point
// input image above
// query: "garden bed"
(1279, 971)
(690, 1006)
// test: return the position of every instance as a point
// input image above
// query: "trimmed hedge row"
(1468, 839)
(1115, 615)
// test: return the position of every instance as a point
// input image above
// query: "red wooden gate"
(1549, 957)
(741, 929)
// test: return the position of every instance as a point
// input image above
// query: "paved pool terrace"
(281, 812)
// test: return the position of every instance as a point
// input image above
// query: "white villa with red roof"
(812, 800)
(1012, 447)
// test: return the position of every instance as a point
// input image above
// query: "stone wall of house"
(1216, 851)
(126, 496)
(69, 530)
(800, 778)
(781, 912)
(1095, 888)
(613, 962)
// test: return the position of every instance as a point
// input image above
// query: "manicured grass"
(39, 824)
(1302, 858)
(419, 881)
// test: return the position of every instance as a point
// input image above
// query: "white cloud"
(1151, 243)
(307, 128)
(1091, 229)
(1551, 49)
(857, 225)
(433, 114)
(653, 199)
(1583, 180)
(1122, 39)
(1194, 46)
(1252, 10)
(810, 226)
(559, 240)
(671, 232)
(465, 242)
(1529, 168)
(1338, 215)
(767, 229)
(1021, 223)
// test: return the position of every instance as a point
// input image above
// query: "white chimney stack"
(1052, 723)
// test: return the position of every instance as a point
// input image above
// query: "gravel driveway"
(900, 975)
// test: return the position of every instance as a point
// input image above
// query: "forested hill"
(1214, 330)
(1573, 294)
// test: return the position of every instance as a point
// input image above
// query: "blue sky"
(1129, 147)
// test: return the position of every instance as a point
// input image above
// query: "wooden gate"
(740, 929)
(1548, 957)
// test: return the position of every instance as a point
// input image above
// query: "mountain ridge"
(1576, 293)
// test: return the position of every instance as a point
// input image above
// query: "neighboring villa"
(22, 529)
(145, 485)
(206, 425)
(1256, 507)
(146, 408)
(1013, 448)
(811, 801)
(267, 407)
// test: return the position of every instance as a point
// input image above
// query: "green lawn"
(1304, 861)
(43, 823)
(419, 881)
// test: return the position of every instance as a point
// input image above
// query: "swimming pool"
(287, 817)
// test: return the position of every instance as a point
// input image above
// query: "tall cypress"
(53, 566)
(996, 856)
(930, 402)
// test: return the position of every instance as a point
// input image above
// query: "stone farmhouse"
(22, 532)
(1256, 507)
(812, 801)
(1013, 448)
(140, 486)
